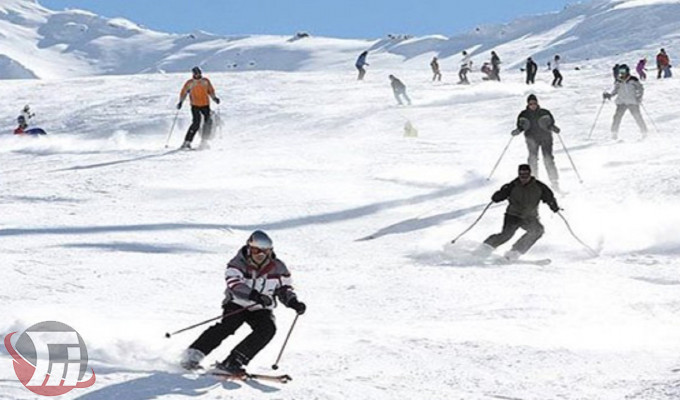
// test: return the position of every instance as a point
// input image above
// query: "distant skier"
(465, 67)
(437, 75)
(488, 71)
(538, 126)
(496, 66)
(523, 194)
(615, 72)
(399, 89)
(531, 68)
(629, 92)
(27, 113)
(23, 128)
(200, 91)
(360, 64)
(557, 80)
(641, 69)
(254, 277)
(662, 63)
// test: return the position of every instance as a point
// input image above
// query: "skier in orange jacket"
(200, 91)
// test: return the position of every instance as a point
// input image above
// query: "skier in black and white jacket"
(254, 278)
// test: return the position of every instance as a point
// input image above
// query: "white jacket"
(628, 92)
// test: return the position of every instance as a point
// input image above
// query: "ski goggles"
(257, 251)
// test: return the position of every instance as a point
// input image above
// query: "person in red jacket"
(662, 63)
(21, 129)
(200, 91)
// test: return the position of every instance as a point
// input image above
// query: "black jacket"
(531, 67)
(534, 116)
(524, 199)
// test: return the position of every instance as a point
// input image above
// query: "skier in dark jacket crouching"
(523, 194)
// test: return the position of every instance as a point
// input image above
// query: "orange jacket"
(199, 90)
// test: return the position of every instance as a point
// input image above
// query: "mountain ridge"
(57, 44)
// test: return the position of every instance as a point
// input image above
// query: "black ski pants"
(545, 143)
(557, 78)
(261, 322)
(531, 77)
(362, 72)
(196, 113)
(534, 231)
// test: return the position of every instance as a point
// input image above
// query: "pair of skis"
(505, 261)
(249, 377)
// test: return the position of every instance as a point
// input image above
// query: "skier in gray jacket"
(254, 278)
(628, 91)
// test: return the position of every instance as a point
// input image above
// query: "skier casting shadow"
(254, 277)
(523, 194)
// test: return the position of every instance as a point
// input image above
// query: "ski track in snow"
(104, 229)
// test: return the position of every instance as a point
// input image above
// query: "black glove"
(298, 306)
(606, 96)
(179, 105)
(515, 132)
(260, 298)
(555, 129)
(554, 207)
(217, 100)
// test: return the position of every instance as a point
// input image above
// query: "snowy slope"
(104, 230)
(37, 42)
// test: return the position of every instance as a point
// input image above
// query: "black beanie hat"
(532, 97)
(524, 167)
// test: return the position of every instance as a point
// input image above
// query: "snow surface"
(104, 229)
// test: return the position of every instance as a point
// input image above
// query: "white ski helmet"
(260, 247)
(260, 240)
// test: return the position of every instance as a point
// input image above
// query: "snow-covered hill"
(104, 230)
(37, 42)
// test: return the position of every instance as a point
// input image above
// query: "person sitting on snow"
(23, 126)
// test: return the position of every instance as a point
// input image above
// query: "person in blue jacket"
(361, 62)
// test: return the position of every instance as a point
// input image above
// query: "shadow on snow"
(325, 218)
(164, 383)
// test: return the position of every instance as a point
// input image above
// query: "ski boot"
(232, 365)
(512, 255)
(483, 250)
(186, 145)
(191, 359)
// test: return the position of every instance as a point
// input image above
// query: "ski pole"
(650, 118)
(474, 223)
(500, 158)
(570, 160)
(172, 128)
(285, 342)
(590, 250)
(168, 334)
(596, 118)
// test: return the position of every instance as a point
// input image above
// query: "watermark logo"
(50, 359)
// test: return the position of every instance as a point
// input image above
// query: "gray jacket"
(628, 92)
